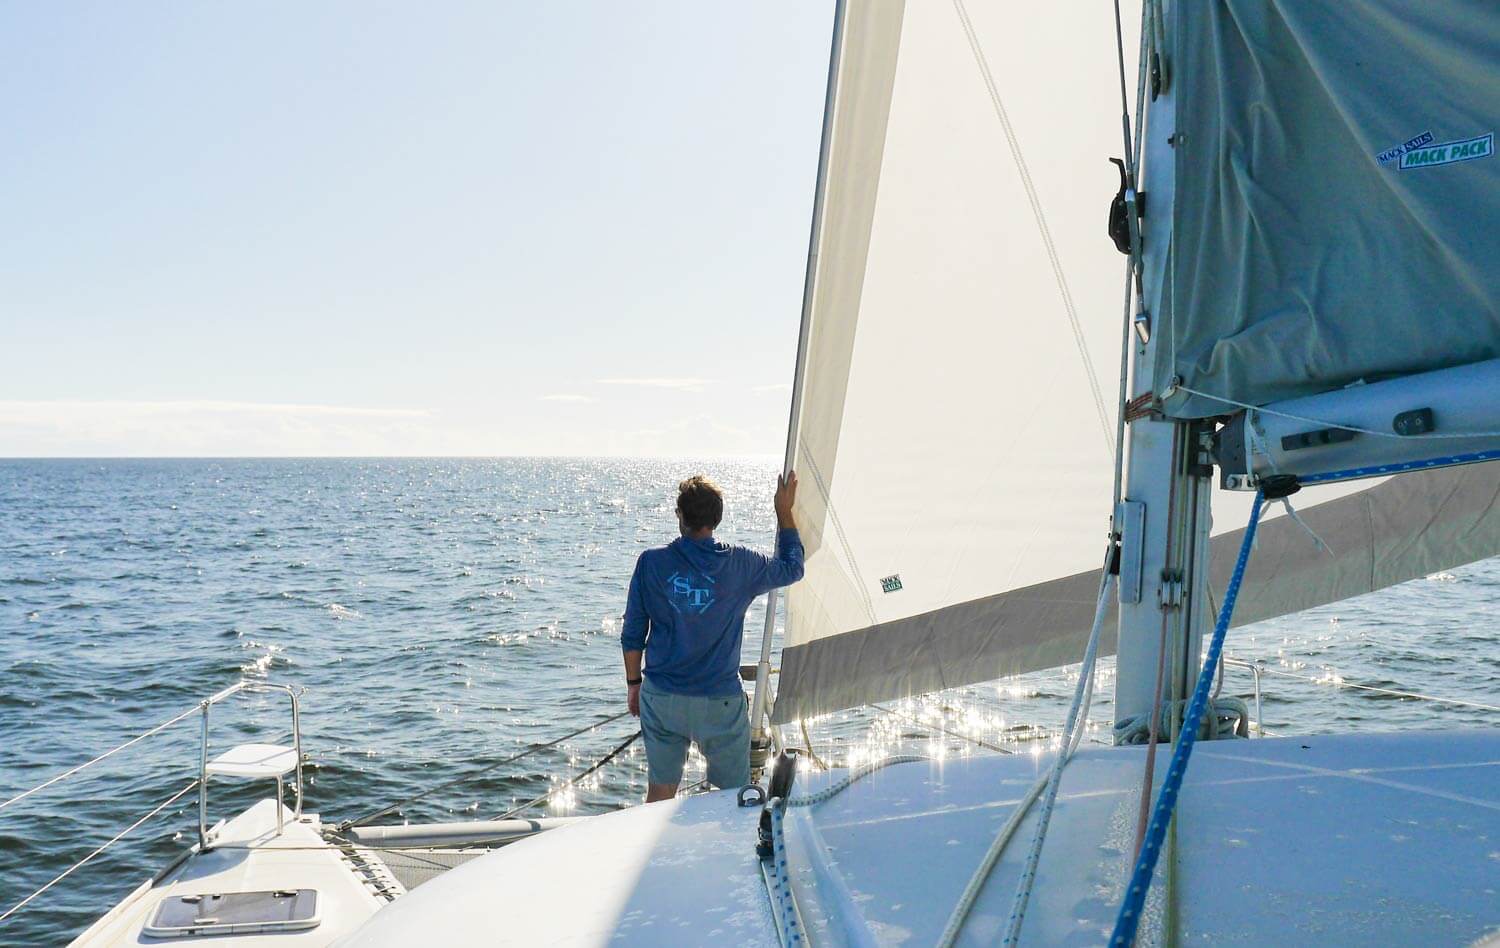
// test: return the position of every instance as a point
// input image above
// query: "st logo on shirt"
(682, 594)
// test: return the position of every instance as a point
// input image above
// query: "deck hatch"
(234, 913)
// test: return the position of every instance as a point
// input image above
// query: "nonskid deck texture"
(251, 858)
(1390, 839)
(1355, 839)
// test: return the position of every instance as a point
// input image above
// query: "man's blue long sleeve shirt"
(686, 609)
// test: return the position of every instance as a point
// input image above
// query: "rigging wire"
(572, 780)
(1134, 290)
(1429, 436)
(942, 729)
(1041, 221)
(471, 775)
(195, 709)
(89, 858)
(807, 739)
(1124, 96)
(1340, 683)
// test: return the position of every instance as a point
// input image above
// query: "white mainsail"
(964, 319)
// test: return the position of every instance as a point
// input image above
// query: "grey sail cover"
(1338, 188)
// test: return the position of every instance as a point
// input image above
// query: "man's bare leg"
(660, 791)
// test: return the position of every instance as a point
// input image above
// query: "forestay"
(1338, 188)
(954, 445)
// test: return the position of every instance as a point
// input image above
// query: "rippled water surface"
(443, 614)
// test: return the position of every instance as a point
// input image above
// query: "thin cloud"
(565, 398)
(695, 434)
(774, 387)
(22, 411)
(212, 428)
(684, 385)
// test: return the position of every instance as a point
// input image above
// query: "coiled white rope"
(1228, 715)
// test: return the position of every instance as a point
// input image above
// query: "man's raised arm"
(785, 567)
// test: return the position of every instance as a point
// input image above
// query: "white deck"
(297, 859)
(1370, 840)
(1388, 839)
(680, 872)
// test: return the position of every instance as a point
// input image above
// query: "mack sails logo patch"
(1391, 154)
(1421, 152)
(891, 583)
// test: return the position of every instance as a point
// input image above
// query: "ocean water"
(442, 614)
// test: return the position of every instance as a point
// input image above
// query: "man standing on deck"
(686, 613)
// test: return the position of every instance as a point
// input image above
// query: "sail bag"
(1337, 186)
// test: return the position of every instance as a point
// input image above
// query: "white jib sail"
(957, 422)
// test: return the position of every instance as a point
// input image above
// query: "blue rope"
(791, 932)
(1145, 865)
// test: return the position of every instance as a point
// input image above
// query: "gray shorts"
(719, 726)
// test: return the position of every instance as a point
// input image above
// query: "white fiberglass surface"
(1383, 839)
(1369, 839)
(251, 857)
(681, 872)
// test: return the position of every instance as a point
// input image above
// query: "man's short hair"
(700, 502)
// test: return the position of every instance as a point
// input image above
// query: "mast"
(1164, 518)
(759, 712)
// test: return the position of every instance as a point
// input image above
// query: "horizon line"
(380, 457)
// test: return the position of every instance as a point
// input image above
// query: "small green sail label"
(1445, 153)
(891, 583)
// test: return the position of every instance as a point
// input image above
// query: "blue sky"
(377, 228)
